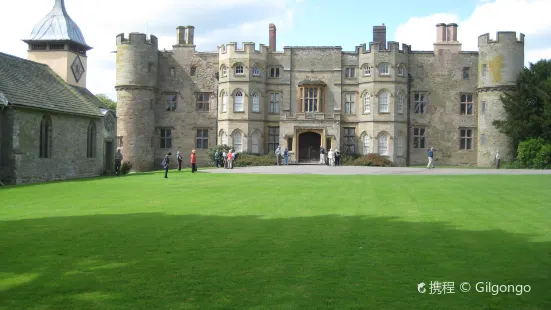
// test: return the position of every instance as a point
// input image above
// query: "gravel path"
(352, 170)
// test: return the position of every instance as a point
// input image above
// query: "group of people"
(225, 159)
(166, 162)
(333, 157)
(279, 154)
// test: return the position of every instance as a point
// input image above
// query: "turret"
(499, 63)
(136, 85)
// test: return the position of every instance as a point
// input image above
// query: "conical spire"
(57, 26)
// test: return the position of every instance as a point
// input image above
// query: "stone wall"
(7, 169)
(68, 152)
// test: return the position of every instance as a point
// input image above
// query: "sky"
(345, 23)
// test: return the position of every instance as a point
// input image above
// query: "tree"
(528, 108)
(108, 102)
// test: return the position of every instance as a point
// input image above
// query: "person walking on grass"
(165, 163)
(179, 158)
(118, 162)
(430, 154)
(193, 161)
(498, 160)
(286, 157)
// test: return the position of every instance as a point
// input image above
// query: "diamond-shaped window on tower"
(77, 68)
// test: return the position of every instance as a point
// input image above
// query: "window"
(166, 138)
(383, 145)
(400, 103)
(367, 70)
(383, 69)
(192, 70)
(224, 138)
(256, 102)
(350, 72)
(239, 69)
(57, 46)
(256, 71)
(367, 103)
(273, 139)
(484, 70)
(466, 139)
(399, 144)
(170, 102)
(274, 102)
(466, 73)
(482, 139)
(225, 100)
(349, 140)
(289, 144)
(224, 70)
(349, 104)
(420, 103)
(45, 137)
(255, 137)
(172, 71)
(466, 104)
(274, 72)
(119, 141)
(202, 139)
(383, 102)
(237, 142)
(238, 101)
(419, 138)
(311, 98)
(483, 107)
(203, 102)
(91, 140)
(149, 67)
(401, 70)
(366, 144)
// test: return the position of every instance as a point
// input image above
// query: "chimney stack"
(451, 32)
(441, 33)
(184, 35)
(189, 35)
(273, 37)
(180, 35)
(379, 35)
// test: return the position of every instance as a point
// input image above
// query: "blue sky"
(299, 22)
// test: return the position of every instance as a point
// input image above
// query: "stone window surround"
(401, 68)
(236, 68)
(165, 134)
(399, 139)
(277, 103)
(349, 72)
(238, 92)
(389, 96)
(258, 68)
(273, 138)
(199, 136)
(91, 140)
(223, 71)
(46, 134)
(352, 109)
(366, 96)
(320, 100)
(202, 102)
(276, 72)
(421, 136)
(168, 108)
(423, 103)
(255, 94)
(466, 73)
(464, 101)
(366, 69)
(349, 135)
(470, 137)
(384, 65)
(224, 102)
(400, 102)
(237, 133)
(366, 140)
(383, 136)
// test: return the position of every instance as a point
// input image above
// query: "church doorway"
(309, 146)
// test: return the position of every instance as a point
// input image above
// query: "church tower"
(57, 41)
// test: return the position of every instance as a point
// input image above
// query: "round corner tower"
(136, 86)
(500, 62)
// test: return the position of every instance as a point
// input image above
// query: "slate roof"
(311, 82)
(34, 85)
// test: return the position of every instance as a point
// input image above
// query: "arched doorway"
(309, 146)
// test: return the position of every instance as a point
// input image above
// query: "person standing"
(498, 160)
(179, 158)
(322, 155)
(225, 159)
(118, 162)
(430, 154)
(277, 154)
(165, 163)
(337, 157)
(230, 159)
(217, 158)
(286, 157)
(193, 161)
(331, 158)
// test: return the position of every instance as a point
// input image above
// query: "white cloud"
(101, 20)
(523, 16)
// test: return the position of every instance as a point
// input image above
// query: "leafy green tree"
(528, 108)
(109, 103)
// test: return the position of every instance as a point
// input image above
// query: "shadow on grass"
(158, 261)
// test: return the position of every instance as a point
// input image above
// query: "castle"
(380, 98)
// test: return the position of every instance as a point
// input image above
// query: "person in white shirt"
(498, 159)
(331, 158)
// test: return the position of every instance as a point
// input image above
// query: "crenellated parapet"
(247, 48)
(391, 47)
(501, 37)
(137, 38)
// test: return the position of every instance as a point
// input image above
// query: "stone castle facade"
(380, 98)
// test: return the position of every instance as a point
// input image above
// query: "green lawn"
(274, 242)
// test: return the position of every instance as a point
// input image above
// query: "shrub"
(126, 167)
(220, 148)
(543, 158)
(511, 165)
(374, 160)
(528, 150)
(348, 158)
(247, 160)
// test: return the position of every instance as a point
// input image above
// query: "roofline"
(14, 105)
(86, 47)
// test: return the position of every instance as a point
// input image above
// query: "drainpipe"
(295, 139)
(408, 123)
(216, 75)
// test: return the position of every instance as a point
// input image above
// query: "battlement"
(247, 48)
(137, 38)
(391, 46)
(501, 37)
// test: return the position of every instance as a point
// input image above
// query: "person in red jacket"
(193, 161)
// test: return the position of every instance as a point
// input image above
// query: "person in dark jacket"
(118, 162)
(165, 163)
(179, 158)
